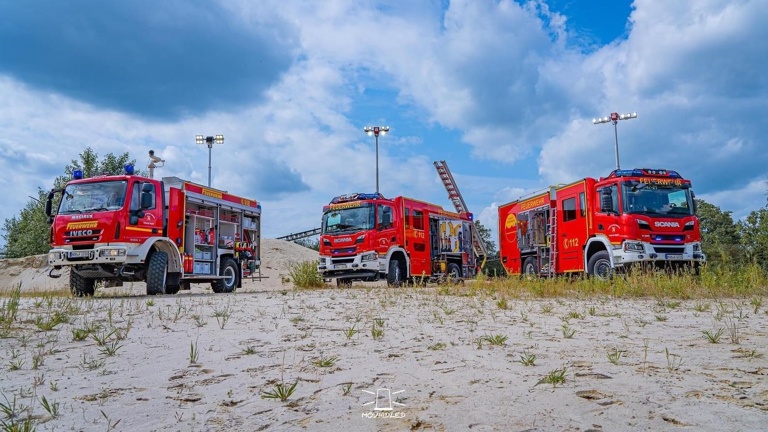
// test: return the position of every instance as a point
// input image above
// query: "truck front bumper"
(350, 267)
(116, 255)
(631, 252)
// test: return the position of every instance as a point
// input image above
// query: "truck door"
(386, 233)
(417, 243)
(146, 211)
(571, 230)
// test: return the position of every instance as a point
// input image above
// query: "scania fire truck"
(367, 237)
(168, 233)
(600, 226)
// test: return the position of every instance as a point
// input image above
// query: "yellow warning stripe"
(149, 230)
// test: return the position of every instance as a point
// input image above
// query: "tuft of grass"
(614, 356)
(497, 339)
(102, 338)
(674, 361)
(91, 363)
(194, 353)
(756, 303)
(80, 334)
(377, 332)
(568, 332)
(527, 359)
(222, 315)
(346, 388)
(350, 332)
(16, 364)
(249, 350)
(555, 377)
(437, 346)
(661, 318)
(110, 349)
(280, 391)
(713, 337)
(325, 361)
(51, 407)
(502, 303)
(304, 275)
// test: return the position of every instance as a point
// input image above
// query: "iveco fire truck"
(600, 226)
(168, 233)
(367, 237)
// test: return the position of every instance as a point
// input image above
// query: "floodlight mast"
(376, 131)
(614, 118)
(210, 141)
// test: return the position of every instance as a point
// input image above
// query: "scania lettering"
(168, 233)
(600, 226)
(367, 237)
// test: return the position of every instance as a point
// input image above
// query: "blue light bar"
(129, 169)
(77, 174)
(356, 197)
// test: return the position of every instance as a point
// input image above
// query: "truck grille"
(344, 251)
(82, 236)
(343, 260)
(669, 249)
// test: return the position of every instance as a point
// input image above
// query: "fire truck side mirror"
(49, 205)
(606, 201)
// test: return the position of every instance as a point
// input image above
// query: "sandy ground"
(443, 360)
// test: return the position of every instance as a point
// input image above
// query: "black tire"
(231, 275)
(395, 273)
(599, 266)
(343, 283)
(530, 268)
(453, 275)
(172, 289)
(81, 286)
(157, 272)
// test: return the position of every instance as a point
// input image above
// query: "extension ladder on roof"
(461, 207)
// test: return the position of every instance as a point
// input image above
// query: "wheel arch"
(160, 244)
(399, 253)
(595, 245)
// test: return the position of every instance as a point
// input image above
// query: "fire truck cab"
(599, 226)
(366, 237)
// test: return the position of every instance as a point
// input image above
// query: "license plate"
(340, 266)
(79, 254)
(674, 256)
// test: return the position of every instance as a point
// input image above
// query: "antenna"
(153, 163)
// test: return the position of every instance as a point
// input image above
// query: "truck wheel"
(81, 286)
(343, 283)
(530, 268)
(156, 273)
(395, 274)
(231, 276)
(599, 266)
(172, 289)
(453, 276)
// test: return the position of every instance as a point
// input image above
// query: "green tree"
(485, 237)
(29, 233)
(754, 236)
(720, 236)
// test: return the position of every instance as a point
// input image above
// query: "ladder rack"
(461, 207)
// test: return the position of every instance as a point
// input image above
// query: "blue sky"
(504, 91)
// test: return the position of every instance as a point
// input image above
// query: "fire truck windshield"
(349, 219)
(92, 197)
(656, 200)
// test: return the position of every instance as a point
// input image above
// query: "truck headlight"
(111, 252)
(321, 261)
(370, 256)
(634, 247)
(54, 256)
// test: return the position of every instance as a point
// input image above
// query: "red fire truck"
(168, 233)
(637, 216)
(367, 237)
